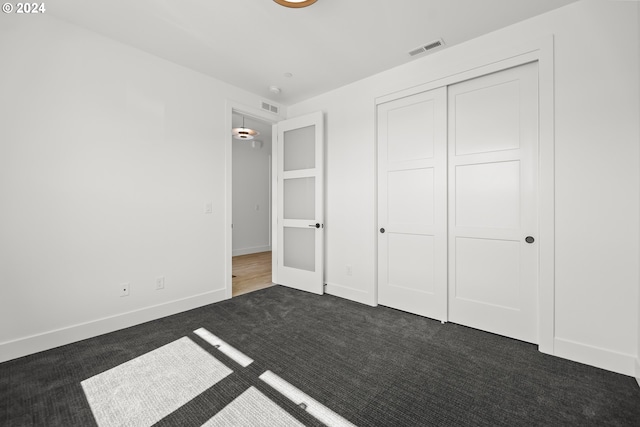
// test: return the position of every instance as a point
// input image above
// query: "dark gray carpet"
(373, 366)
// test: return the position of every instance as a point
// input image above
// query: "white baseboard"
(599, 357)
(56, 338)
(349, 293)
(638, 371)
(247, 251)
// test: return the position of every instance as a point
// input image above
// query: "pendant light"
(243, 132)
(295, 3)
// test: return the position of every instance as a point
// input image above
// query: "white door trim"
(540, 50)
(230, 107)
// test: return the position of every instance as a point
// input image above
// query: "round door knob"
(382, 230)
(529, 239)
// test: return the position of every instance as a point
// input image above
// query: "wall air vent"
(269, 107)
(426, 47)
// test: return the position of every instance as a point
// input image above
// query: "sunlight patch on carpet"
(144, 390)
(231, 352)
(304, 401)
(252, 408)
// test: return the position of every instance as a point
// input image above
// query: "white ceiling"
(252, 43)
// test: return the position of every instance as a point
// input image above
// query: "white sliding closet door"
(412, 204)
(493, 208)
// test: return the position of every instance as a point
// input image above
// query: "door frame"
(541, 51)
(257, 113)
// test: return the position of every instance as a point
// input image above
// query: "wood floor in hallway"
(252, 272)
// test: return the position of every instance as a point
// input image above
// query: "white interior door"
(299, 203)
(412, 204)
(493, 175)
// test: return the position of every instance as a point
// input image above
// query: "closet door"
(412, 204)
(493, 211)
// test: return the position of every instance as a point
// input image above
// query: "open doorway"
(251, 206)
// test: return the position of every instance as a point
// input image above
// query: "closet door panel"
(412, 204)
(493, 175)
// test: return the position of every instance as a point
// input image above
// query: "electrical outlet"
(159, 282)
(349, 270)
(208, 208)
(124, 290)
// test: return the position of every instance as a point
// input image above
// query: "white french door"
(493, 202)
(298, 260)
(412, 204)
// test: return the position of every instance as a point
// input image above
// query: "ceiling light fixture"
(243, 132)
(295, 3)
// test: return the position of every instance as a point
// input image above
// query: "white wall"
(596, 174)
(107, 158)
(251, 182)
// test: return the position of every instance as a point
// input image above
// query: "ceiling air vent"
(269, 107)
(426, 47)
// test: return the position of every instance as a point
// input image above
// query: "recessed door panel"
(483, 127)
(488, 195)
(413, 207)
(406, 127)
(487, 272)
(407, 268)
